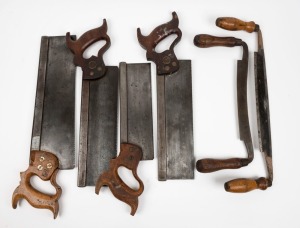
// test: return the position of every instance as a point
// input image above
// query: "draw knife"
(262, 107)
(174, 104)
(99, 107)
(211, 165)
(53, 131)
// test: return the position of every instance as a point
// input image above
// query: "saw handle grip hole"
(166, 43)
(127, 177)
(93, 49)
(42, 186)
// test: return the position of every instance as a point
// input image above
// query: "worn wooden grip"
(211, 165)
(45, 166)
(243, 185)
(234, 24)
(205, 41)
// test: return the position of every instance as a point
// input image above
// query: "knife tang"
(243, 185)
(234, 24)
(209, 165)
(206, 41)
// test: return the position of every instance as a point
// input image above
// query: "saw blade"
(99, 114)
(176, 155)
(54, 116)
(136, 107)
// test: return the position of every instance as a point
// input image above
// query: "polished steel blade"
(55, 106)
(98, 126)
(136, 107)
(244, 126)
(176, 160)
(262, 106)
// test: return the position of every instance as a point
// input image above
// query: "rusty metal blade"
(244, 127)
(136, 107)
(55, 103)
(262, 106)
(177, 158)
(98, 125)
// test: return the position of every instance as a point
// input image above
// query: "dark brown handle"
(45, 166)
(206, 41)
(243, 185)
(234, 24)
(166, 62)
(211, 165)
(94, 67)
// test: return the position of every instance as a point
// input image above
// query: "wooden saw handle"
(206, 41)
(129, 157)
(243, 185)
(234, 24)
(45, 166)
(166, 62)
(211, 165)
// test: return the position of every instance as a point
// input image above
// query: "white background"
(201, 202)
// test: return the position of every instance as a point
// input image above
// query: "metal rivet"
(92, 73)
(174, 64)
(166, 60)
(99, 68)
(92, 65)
(49, 166)
(42, 158)
(40, 167)
(167, 68)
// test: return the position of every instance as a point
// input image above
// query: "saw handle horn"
(206, 41)
(234, 24)
(94, 67)
(166, 62)
(243, 185)
(209, 165)
(45, 166)
(129, 157)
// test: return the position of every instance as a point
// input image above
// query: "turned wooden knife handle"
(211, 165)
(45, 166)
(243, 185)
(234, 24)
(205, 41)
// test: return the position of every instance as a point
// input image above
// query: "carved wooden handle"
(243, 185)
(211, 165)
(166, 62)
(129, 157)
(94, 67)
(234, 24)
(205, 41)
(45, 166)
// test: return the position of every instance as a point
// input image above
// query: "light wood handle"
(234, 24)
(243, 185)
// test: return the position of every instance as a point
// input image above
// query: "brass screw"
(174, 64)
(99, 68)
(91, 73)
(92, 65)
(40, 167)
(42, 158)
(167, 68)
(49, 166)
(166, 60)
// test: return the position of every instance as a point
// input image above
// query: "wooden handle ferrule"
(234, 24)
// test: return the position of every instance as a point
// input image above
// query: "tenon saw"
(99, 107)
(174, 104)
(262, 107)
(53, 132)
(136, 132)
